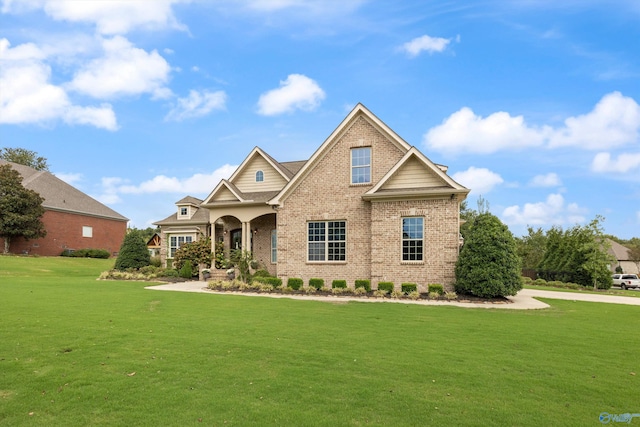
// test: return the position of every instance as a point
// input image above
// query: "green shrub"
(273, 281)
(186, 271)
(294, 283)
(488, 265)
(87, 253)
(363, 283)
(261, 273)
(156, 261)
(437, 288)
(167, 272)
(526, 280)
(133, 252)
(407, 288)
(385, 286)
(339, 284)
(539, 282)
(316, 283)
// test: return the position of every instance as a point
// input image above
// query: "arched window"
(259, 176)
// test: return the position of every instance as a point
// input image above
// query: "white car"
(626, 281)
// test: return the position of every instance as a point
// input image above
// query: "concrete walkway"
(525, 300)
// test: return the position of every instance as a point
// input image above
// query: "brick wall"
(327, 194)
(374, 230)
(64, 231)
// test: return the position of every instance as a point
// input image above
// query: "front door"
(236, 239)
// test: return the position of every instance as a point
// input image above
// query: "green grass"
(76, 351)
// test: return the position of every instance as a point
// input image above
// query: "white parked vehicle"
(626, 281)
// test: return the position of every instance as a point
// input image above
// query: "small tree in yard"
(488, 265)
(133, 252)
(20, 209)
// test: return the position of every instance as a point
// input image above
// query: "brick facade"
(64, 231)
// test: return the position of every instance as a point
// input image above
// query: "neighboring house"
(154, 245)
(366, 205)
(72, 219)
(621, 254)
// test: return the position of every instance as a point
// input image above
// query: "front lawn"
(77, 351)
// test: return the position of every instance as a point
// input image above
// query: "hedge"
(294, 283)
(363, 283)
(385, 286)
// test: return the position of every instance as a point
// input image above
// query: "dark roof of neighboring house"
(617, 250)
(60, 196)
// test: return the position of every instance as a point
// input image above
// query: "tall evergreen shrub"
(133, 252)
(488, 265)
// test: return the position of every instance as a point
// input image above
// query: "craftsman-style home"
(366, 205)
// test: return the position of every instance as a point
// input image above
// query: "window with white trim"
(184, 211)
(274, 246)
(87, 231)
(361, 165)
(259, 176)
(412, 238)
(327, 240)
(176, 241)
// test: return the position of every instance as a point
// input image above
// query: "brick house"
(366, 205)
(73, 220)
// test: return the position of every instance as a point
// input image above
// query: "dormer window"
(361, 165)
(259, 176)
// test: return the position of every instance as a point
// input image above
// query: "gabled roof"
(189, 200)
(200, 217)
(60, 196)
(434, 181)
(222, 186)
(257, 151)
(358, 111)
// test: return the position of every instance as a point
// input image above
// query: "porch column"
(246, 236)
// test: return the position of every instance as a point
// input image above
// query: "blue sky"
(533, 104)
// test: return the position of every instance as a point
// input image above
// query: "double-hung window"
(327, 240)
(176, 241)
(361, 165)
(412, 239)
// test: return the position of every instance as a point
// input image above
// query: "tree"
(20, 209)
(133, 252)
(594, 251)
(488, 265)
(531, 248)
(24, 157)
(634, 255)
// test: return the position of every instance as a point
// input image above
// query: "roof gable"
(224, 192)
(415, 175)
(359, 111)
(275, 176)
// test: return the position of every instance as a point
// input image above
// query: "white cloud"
(123, 70)
(553, 211)
(197, 104)
(602, 162)
(109, 17)
(478, 180)
(425, 43)
(27, 96)
(464, 131)
(614, 121)
(549, 180)
(296, 92)
(113, 187)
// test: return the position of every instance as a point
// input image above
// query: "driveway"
(574, 296)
